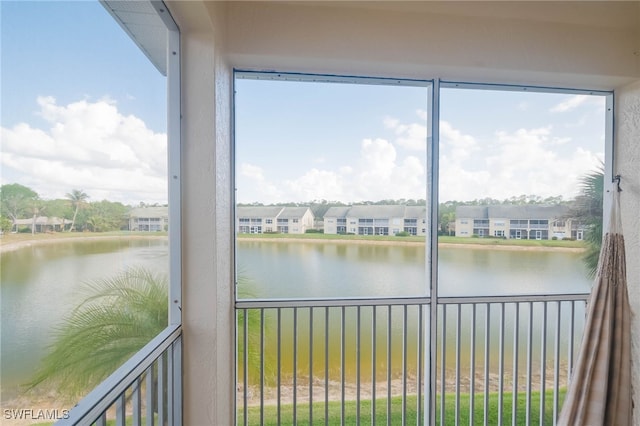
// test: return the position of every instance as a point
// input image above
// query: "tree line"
(446, 210)
(21, 202)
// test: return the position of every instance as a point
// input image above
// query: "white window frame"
(434, 87)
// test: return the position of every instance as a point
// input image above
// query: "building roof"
(149, 212)
(376, 211)
(533, 211)
(415, 212)
(529, 211)
(258, 211)
(337, 212)
(479, 212)
(294, 212)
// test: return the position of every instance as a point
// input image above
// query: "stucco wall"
(208, 331)
(628, 166)
(545, 43)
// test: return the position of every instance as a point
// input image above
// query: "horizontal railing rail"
(153, 373)
(332, 360)
(418, 300)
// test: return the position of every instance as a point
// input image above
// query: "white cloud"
(412, 136)
(525, 161)
(376, 173)
(89, 146)
(257, 182)
(570, 103)
(508, 163)
(456, 144)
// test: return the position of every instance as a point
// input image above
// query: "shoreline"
(57, 238)
(505, 247)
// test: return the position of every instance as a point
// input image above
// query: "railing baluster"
(389, 364)
(160, 390)
(128, 381)
(358, 364)
(543, 361)
(136, 402)
(262, 366)
(404, 364)
(102, 420)
(501, 367)
(572, 322)
(443, 364)
(169, 392)
(245, 366)
(149, 395)
(176, 351)
(295, 366)
(326, 366)
(556, 365)
(121, 413)
(487, 366)
(472, 372)
(373, 365)
(342, 355)
(420, 372)
(310, 366)
(516, 341)
(529, 363)
(458, 377)
(279, 366)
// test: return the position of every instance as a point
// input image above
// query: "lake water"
(361, 270)
(334, 270)
(40, 284)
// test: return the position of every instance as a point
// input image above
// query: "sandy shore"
(8, 244)
(413, 243)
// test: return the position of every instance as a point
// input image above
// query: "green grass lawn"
(350, 416)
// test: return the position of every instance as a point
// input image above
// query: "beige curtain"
(600, 389)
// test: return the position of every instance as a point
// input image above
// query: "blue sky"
(304, 141)
(83, 108)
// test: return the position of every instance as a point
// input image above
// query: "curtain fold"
(599, 392)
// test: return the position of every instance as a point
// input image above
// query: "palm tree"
(119, 315)
(587, 209)
(78, 198)
(117, 318)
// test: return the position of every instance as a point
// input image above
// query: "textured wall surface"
(207, 317)
(628, 165)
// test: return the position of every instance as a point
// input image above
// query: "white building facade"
(376, 220)
(273, 219)
(527, 222)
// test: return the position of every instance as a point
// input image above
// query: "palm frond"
(117, 318)
(588, 209)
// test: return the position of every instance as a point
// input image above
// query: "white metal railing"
(367, 360)
(147, 389)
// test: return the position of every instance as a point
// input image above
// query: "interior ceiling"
(604, 14)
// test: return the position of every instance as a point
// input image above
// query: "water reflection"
(42, 283)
